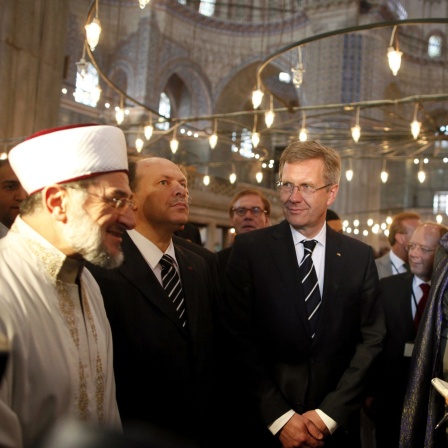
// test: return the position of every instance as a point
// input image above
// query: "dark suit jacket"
(391, 371)
(266, 318)
(223, 257)
(164, 374)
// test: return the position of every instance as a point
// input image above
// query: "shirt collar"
(320, 237)
(149, 250)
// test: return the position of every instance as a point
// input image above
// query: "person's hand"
(301, 431)
(318, 422)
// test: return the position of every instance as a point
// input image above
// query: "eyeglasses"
(305, 189)
(423, 249)
(241, 211)
(116, 203)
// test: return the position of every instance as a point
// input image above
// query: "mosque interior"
(179, 77)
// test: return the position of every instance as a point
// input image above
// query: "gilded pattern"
(52, 262)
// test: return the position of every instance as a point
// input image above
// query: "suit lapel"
(137, 271)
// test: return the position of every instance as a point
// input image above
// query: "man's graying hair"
(33, 203)
(302, 151)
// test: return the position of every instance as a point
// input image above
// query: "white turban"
(68, 154)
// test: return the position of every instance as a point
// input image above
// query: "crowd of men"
(118, 323)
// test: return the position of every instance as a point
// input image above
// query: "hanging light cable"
(139, 142)
(255, 135)
(349, 171)
(421, 175)
(269, 115)
(257, 95)
(82, 66)
(213, 139)
(119, 112)
(297, 73)
(232, 176)
(93, 30)
(259, 175)
(206, 178)
(303, 134)
(415, 125)
(356, 130)
(174, 144)
(149, 128)
(394, 55)
(384, 174)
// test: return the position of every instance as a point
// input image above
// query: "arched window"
(207, 7)
(440, 202)
(165, 110)
(435, 46)
(87, 89)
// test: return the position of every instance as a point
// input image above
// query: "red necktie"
(421, 305)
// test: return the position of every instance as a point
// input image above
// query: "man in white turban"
(51, 309)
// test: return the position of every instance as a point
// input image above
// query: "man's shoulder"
(195, 248)
(396, 280)
(384, 260)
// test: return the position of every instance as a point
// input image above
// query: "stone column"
(32, 44)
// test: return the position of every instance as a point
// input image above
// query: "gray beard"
(84, 236)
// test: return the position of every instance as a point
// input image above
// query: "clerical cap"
(67, 154)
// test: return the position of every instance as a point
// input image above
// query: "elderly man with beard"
(163, 337)
(52, 312)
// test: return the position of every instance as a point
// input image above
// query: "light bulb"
(143, 3)
(139, 144)
(259, 176)
(384, 176)
(421, 176)
(257, 96)
(119, 115)
(206, 180)
(213, 140)
(356, 133)
(303, 135)
(439, 219)
(174, 145)
(415, 128)
(232, 178)
(255, 139)
(269, 118)
(349, 175)
(148, 129)
(394, 57)
(93, 32)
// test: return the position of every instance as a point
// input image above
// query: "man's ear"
(333, 193)
(400, 238)
(55, 199)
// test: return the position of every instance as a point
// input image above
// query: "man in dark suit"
(400, 231)
(306, 369)
(425, 407)
(164, 363)
(403, 301)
